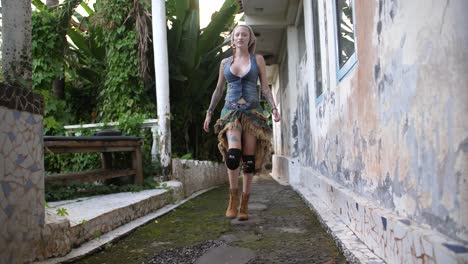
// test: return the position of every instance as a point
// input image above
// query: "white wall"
(394, 129)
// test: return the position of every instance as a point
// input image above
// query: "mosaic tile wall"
(393, 238)
(21, 99)
(21, 178)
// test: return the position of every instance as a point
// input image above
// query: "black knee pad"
(248, 163)
(233, 158)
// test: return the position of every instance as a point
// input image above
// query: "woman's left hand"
(276, 115)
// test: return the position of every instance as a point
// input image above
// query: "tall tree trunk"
(59, 87)
(59, 84)
(16, 40)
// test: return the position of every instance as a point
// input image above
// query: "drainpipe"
(161, 69)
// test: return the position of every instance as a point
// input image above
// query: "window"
(317, 53)
(345, 37)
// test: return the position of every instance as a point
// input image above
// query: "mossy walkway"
(282, 229)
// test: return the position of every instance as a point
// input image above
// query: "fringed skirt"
(252, 122)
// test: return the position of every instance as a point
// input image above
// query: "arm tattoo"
(218, 92)
(266, 91)
(217, 95)
(268, 96)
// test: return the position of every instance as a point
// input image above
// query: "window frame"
(352, 61)
(317, 42)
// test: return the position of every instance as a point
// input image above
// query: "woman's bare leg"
(234, 138)
(249, 144)
(233, 163)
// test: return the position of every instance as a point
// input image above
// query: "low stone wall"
(109, 221)
(55, 237)
(393, 238)
(89, 218)
(197, 175)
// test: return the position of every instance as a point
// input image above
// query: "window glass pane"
(345, 30)
(318, 56)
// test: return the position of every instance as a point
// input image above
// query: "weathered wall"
(21, 174)
(393, 130)
(198, 175)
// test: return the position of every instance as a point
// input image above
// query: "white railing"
(148, 123)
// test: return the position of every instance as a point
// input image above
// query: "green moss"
(196, 221)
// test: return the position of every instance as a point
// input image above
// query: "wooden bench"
(103, 144)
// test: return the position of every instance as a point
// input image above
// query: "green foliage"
(47, 66)
(85, 61)
(123, 92)
(78, 190)
(62, 211)
(130, 125)
(187, 156)
(97, 234)
(72, 162)
(99, 63)
(194, 58)
(100, 66)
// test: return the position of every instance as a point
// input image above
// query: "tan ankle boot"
(231, 211)
(244, 210)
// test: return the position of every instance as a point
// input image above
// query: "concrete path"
(281, 229)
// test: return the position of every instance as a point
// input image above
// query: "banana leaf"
(195, 56)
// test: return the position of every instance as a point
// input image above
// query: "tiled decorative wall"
(395, 239)
(21, 174)
(21, 99)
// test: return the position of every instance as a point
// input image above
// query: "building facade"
(374, 98)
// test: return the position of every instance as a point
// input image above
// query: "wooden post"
(106, 160)
(137, 165)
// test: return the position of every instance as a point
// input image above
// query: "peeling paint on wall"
(394, 130)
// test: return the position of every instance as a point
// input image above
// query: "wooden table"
(103, 144)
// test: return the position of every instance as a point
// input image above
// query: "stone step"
(91, 217)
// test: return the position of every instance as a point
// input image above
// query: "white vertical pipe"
(161, 68)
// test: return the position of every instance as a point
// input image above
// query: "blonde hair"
(252, 41)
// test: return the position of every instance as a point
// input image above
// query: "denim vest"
(245, 86)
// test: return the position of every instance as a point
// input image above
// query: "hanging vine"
(48, 48)
(123, 92)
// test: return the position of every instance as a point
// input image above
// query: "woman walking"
(243, 134)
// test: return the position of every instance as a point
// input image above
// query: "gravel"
(185, 255)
